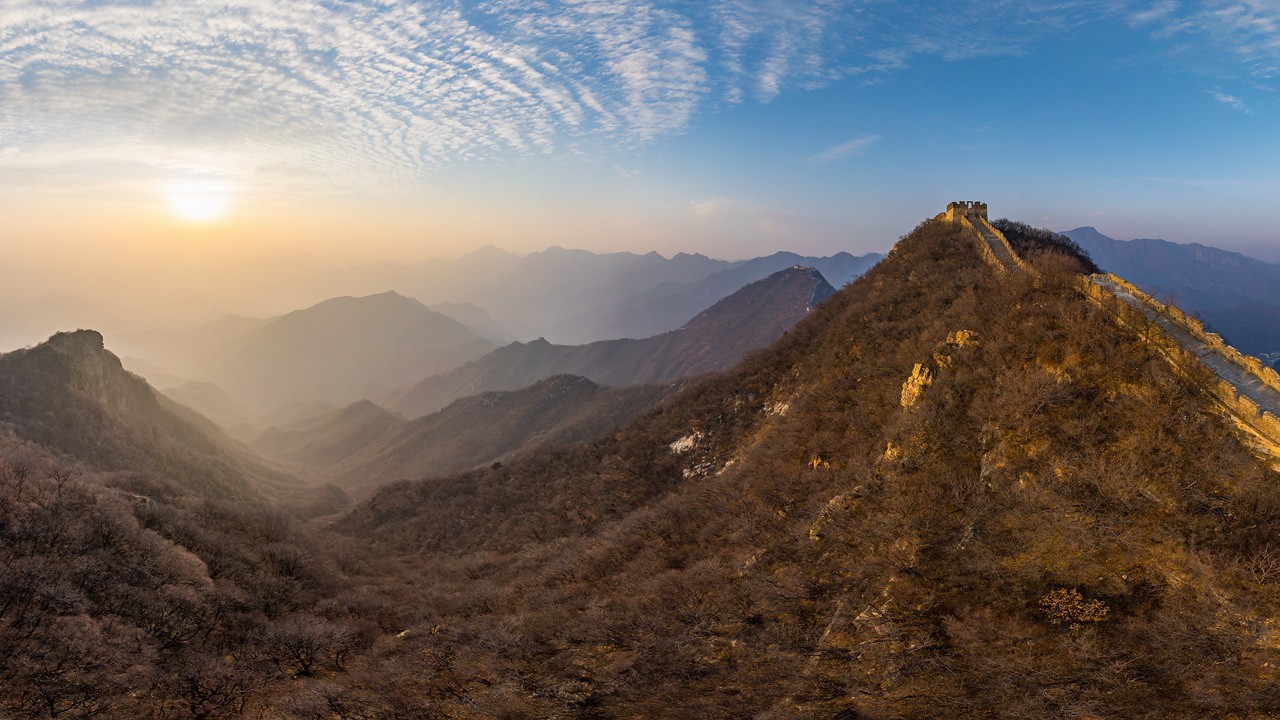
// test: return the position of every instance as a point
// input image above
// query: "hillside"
(947, 493)
(213, 403)
(721, 335)
(72, 397)
(345, 349)
(1235, 294)
(363, 447)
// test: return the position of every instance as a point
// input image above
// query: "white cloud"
(847, 149)
(378, 92)
(1230, 101)
(1248, 29)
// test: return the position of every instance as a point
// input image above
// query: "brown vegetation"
(1058, 526)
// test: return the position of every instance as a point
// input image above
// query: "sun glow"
(199, 201)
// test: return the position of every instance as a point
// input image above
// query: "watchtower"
(962, 208)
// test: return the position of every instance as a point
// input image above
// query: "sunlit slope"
(950, 492)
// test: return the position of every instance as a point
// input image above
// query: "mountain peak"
(76, 342)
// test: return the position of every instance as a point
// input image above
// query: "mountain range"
(362, 447)
(946, 491)
(1238, 296)
(715, 339)
(335, 352)
(576, 296)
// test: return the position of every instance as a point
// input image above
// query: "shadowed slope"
(72, 396)
(715, 339)
(363, 447)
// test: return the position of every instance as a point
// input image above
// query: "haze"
(168, 162)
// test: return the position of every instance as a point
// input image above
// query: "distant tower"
(962, 208)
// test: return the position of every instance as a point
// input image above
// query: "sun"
(199, 202)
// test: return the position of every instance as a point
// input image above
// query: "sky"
(143, 140)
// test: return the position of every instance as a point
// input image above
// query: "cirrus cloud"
(367, 92)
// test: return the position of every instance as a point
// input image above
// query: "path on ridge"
(1245, 382)
(999, 248)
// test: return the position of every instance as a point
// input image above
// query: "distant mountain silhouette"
(362, 447)
(73, 397)
(345, 349)
(748, 319)
(215, 404)
(575, 296)
(669, 305)
(476, 319)
(1238, 296)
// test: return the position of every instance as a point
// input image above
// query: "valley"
(1053, 518)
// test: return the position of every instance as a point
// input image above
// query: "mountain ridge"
(1236, 294)
(712, 340)
(74, 397)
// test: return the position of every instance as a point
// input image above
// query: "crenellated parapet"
(1246, 388)
(964, 208)
(992, 244)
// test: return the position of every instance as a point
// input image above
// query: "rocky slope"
(72, 397)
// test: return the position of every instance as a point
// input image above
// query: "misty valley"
(633, 360)
(975, 477)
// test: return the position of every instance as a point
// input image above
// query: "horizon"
(206, 310)
(182, 155)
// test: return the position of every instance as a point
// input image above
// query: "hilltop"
(951, 491)
(73, 398)
(346, 349)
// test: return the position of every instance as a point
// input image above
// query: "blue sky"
(731, 127)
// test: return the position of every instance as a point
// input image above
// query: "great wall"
(993, 245)
(1246, 389)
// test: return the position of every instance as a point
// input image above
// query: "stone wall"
(1017, 259)
(1253, 365)
(983, 248)
(1265, 424)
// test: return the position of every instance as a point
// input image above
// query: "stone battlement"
(1251, 381)
(964, 208)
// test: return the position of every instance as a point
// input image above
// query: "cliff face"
(80, 361)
